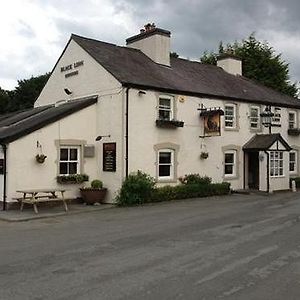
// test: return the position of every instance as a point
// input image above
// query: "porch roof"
(262, 142)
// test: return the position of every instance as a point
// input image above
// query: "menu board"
(109, 157)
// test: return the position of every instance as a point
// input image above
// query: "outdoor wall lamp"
(67, 91)
(266, 117)
(99, 137)
(142, 93)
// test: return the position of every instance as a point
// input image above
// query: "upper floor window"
(69, 160)
(230, 116)
(276, 163)
(277, 116)
(166, 108)
(292, 120)
(254, 117)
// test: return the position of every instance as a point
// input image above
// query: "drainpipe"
(126, 130)
(4, 147)
(268, 173)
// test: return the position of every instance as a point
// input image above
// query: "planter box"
(169, 123)
(72, 179)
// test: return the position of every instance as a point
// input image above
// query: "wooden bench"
(40, 195)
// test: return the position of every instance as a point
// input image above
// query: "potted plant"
(40, 158)
(93, 194)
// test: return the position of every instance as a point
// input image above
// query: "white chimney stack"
(230, 63)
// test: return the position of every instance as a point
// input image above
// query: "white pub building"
(109, 110)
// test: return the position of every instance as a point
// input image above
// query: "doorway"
(253, 170)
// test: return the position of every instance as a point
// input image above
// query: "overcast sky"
(34, 32)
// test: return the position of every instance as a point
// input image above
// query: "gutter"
(4, 147)
(126, 130)
(268, 172)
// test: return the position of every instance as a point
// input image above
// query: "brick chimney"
(154, 42)
(230, 63)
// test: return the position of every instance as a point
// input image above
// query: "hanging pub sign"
(109, 157)
(212, 121)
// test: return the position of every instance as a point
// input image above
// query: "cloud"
(35, 32)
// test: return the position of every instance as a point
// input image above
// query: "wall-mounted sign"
(72, 66)
(211, 119)
(109, 157)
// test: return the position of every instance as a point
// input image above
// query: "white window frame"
(78, 161)
(254, 120)
(165, 108)
(276, 119)
(234, 165)
(293, 162)
(230, 118)
(171, 164)
(276, 164)
(292, 122)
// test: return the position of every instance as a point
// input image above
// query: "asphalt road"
(233, 247)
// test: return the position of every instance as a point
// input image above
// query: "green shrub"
(136, 189)
(97, 184)
(72, 179)
(195, 179)
(186, 191)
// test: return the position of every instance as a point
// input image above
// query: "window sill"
(169, 123)
(230, 177)
(160, 180)
(231, 129)
(279, 176)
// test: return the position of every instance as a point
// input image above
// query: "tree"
(260, 63)
(4, 100)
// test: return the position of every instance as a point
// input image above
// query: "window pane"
(164, 170)
(164, 157)
(164, 114)
(229, 157)
(228, 169)
(73, 168)
(165, 103)
(63, 154)
(73, 154)
(63, 168)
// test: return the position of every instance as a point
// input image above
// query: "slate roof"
(264, 142)
(133, 68)
(21, 123)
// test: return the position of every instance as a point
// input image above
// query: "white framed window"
(69, 160)
(166, 108)
(166, 164)
(292, 120)
(230, 163)
(277, 116)
(293, 166)
(254, 117)
(230, 116)
(276, 164)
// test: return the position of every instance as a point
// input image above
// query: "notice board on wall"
(109, 157)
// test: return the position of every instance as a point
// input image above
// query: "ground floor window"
(293, 162)
(230, 163)
(276, 163)
(166, 164)
(69, 160)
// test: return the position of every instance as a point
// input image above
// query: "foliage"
(97, 184)
(297, 181)
(194, 179)
(75, 179)
(24, 95)
(136, 189)
(260, 63)
(186, 191)
(174, 54)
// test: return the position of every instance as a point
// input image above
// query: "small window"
(276, 163)
(292, 120)
(230, 116)
(165, 164)
(165, 108)
(69, 160)
(293, 162)
(277, 116)
(230, 163)
(254, 117)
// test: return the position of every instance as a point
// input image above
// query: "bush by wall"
(139, 188)
(136, 189)
(194, 179)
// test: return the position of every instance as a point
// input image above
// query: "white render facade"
(126, 115)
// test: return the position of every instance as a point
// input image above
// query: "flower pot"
(40, 158)
(91, 196)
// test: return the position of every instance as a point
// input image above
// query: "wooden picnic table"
(34, 196)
